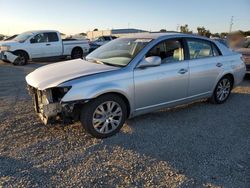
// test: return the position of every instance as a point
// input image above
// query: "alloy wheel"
(107, 117)
(223, 89)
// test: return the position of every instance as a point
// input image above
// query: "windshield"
(118, 52)
(23, 37)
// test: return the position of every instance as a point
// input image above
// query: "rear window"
(52, 37)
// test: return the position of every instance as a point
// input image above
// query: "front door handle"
(219, 64)
(47, 44)
(182, 71)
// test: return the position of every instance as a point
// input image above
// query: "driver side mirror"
(151, 61)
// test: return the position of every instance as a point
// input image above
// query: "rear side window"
(216, 51)
(199, 49)
(52, 37)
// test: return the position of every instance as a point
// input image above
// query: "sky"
(77, 16)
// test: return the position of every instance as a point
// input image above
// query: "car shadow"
(196, 140)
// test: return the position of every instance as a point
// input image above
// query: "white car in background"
(41, 44)
(99, 41)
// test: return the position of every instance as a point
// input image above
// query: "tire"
(22, 58)
(76, 53)
(222, 90)
(98, 121)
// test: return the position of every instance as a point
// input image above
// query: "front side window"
(199, 49)
(168, 51)
(118, 52)
(40, 38)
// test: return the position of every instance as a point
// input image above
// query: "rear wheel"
(104, 116)
(22, 58)
(222, 90)
(77, 53)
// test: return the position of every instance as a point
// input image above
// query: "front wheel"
(104, 116)
(222, 90)
(22, 58)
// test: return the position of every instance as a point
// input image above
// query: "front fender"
(91, 92)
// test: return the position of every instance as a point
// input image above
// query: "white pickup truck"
(41, 44)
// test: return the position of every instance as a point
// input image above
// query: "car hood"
(9, 43)
(52, 75)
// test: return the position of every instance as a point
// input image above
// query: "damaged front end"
(48, 105)
(8, 56)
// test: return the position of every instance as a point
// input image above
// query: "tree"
(185, 29)
(203, 32)
(163, 30)
(1, 37)
(95, 29)
(223, 35)
(217, 35)
(247, 33)
(83, 34)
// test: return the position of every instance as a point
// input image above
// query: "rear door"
(205, 66)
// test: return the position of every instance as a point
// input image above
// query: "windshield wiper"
(104, 63)
(110, 64)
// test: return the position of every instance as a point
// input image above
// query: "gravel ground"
(195, 145)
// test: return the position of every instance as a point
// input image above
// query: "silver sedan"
(134, 75)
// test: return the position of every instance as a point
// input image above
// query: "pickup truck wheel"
(222, 90)
(104, 116)
(77, 53)
(22, 58)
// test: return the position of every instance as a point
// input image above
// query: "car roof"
(39, 31)
(160, 35)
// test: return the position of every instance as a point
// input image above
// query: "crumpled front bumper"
(50, 109)
(8, 56)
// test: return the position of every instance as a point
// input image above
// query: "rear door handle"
(47, 44)
(182, 71)
(219, 64)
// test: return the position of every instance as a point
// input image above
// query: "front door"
(167, 83)
(45, 45)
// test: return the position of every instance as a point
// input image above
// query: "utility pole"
(178, 27)
(231, 24)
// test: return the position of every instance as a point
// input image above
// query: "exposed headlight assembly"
(59, 92)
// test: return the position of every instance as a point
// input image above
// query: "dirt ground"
(195, 145)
